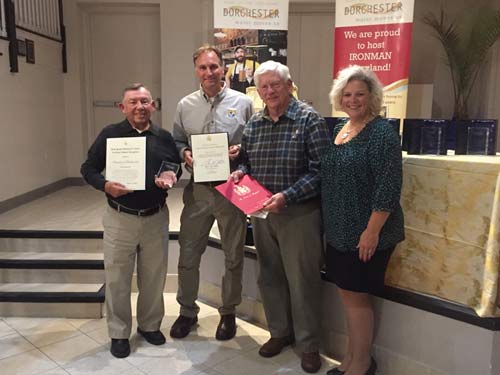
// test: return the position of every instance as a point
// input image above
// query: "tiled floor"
(45, 346)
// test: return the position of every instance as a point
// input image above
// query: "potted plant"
(467, 40)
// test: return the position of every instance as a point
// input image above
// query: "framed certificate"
(126, 161)
(210, 157)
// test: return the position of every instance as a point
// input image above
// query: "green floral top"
(358, 177)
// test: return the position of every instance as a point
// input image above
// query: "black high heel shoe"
(372, 369)
(335, 371)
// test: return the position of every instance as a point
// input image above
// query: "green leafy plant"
(466, 40)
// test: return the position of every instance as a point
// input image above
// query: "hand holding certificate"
(210, 157)
(247, 194)
(126, 161)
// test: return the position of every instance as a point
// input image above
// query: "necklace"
(346, 132)
(348, 129)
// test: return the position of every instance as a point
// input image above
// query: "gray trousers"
(202, 205)
(128, 238)
(290, 255)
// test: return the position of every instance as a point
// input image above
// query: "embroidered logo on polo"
(231, 113)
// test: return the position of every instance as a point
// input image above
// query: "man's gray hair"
(358, 73)
(272, 66)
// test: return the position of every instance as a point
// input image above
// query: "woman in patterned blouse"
(361, 176)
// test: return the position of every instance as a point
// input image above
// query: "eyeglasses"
(271, 86)
(143, 102)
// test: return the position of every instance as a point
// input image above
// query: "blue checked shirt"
(284, 156)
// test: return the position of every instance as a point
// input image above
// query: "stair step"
(51, 292)
(51, 241)
(51, 274)
(51, 260)
(50, 255)
(22, 233)
(76, 301)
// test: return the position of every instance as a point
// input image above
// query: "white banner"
(251, 14)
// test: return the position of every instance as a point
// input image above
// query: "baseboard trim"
(40, 192)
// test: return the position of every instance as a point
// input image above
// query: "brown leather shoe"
(311, 362)
(274, 346)
(226, 328)
(182, 326)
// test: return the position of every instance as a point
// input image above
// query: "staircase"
(51, 274)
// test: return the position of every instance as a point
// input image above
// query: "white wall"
(184, 27)
(32, 107)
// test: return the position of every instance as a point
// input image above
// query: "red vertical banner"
(377, 36)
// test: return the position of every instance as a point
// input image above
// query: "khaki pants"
(290, 254)
(202, 205)
(128, 238)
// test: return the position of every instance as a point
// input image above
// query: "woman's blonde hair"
(358, 73)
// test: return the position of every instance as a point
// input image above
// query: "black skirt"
(348, 272)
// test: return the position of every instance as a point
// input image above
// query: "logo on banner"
(381, 8)
(240, 11)
(251, 14)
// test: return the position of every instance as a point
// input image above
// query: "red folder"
(248, 195)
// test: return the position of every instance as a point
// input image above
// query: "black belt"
(144, 212)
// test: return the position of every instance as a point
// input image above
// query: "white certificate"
(210, 157)
(126, 161)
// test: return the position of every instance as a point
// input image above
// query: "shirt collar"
(217, 98)
(152, 128)
(291, 110)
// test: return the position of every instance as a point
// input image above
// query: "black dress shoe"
(226, 328)
(153, 337)
(120, 348)
(182, 326)
(335, 371)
